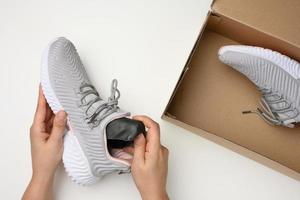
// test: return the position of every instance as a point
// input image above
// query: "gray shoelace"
(104, 109)
(271, 114)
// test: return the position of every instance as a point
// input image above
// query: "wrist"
(155, 196)
(42, 179)
(40, 187)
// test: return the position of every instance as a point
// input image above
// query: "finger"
(152, 135)
(38, 135)
(58, 128)
(165, 151)
(40, 113)
(148, 122)
(129, 150)
(50, 124)
(139, 148)
(49, 113)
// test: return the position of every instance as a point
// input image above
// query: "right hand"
(150, 162)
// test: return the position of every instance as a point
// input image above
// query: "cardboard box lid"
(277, 18)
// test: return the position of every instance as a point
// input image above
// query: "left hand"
(46, 136)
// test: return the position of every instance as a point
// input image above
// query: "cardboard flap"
(277, 18)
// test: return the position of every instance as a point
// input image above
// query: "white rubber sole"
(289, 65)
(74, 160)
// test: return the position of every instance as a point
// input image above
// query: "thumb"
(139, 148)
(59, 125)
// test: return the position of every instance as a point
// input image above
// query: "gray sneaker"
(66, 86)
(275, 75)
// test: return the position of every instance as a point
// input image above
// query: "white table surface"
(144, 45)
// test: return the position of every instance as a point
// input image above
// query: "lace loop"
(115, 93)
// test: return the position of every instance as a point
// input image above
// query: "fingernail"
(62, 115)
(139, 136)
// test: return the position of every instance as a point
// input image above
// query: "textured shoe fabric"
(66, 86)
(275, 75)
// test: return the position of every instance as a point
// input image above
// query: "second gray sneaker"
(275, 75)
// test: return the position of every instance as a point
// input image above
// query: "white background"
(144, 45)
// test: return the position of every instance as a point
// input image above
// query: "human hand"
(150, 162)
(46, 136)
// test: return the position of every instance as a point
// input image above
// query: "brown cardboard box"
(210, 96)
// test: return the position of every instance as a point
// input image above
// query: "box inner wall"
(211, 97)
